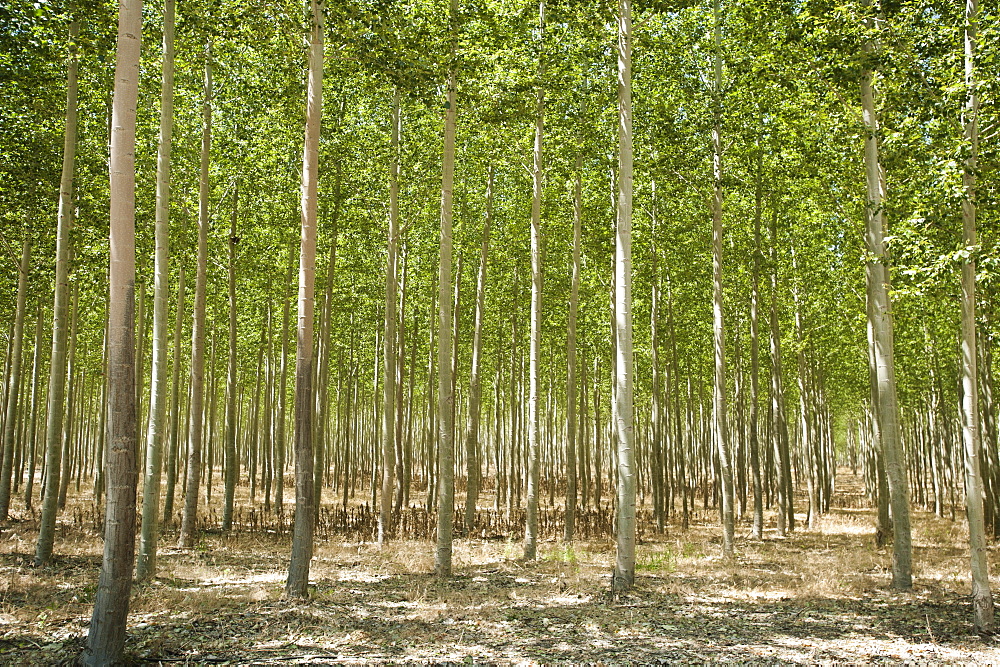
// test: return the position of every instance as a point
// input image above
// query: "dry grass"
(819, 595)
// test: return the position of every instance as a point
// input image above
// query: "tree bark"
(14, 376)
(719, 418)
(446, 397)
(624, 574)
(106, 638)
(779, 425)
(231, 462)
(805, 416)
(472, 442)
(57, 364)
(757, 532)
(877, 275)
(146, 565)
(531, 518)
(175, 394)
(389, 338)
(197, 385)
(281, 391)
(982, 598)
(302, 538)
(33, 419)
(571, 382)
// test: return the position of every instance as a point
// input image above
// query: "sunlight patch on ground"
(229, 580)
(358, 576)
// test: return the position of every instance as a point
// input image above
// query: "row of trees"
(765, 135)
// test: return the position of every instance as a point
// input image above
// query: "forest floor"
(819, 595)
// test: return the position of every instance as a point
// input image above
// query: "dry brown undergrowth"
(817, 596)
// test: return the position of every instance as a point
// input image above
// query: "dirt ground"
(817, 596)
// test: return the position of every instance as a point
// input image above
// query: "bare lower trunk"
(14, 377)
(57, 364)
(531, 517)
(779, 426)
(472, 442)
(757, 531)
(571, 382)
(146, 565)
(389, 338)
(624, 573)
(106, 638)
(877, 274)
(33, 418)
(446, 397)
(982, 598)
(281, 391)
(197, 386)
(720, 425)
(231, 469)
(302, 538)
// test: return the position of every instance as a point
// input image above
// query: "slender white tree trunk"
(197, 386)
(279, 423)
(720, 424)
(175, 387)
(231, 469)
(389, 337)
(472, 443)
(624, 574)
(757, 531)
(534, 456)
(779, 425)
(14, 376)
(982, 598)
(446, 397)
(877, 274)
(106, 638)
(55, 409)
(146, 565)
(302, 539)
(571, 388)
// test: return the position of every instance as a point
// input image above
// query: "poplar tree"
(302, 537)
(106, 636)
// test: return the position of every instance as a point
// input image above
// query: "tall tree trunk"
(57, 364)
(267, 435)
(279, 422)
(757, 532)
(446, 397)
(719, 418)
(175, 395)
(140, 338)
(982, 598)
(302, 539)
(321, 426)
(531, 518)
(877, 275)
(14, 376)
(232, 462)
(779, 425)
(146, 565)
(656, 412)
(33, 419)
(72, 389)
(197, 385)
(571, 382)
(252, 441)
(472, 442)
(106, 638)
(624, 574)
(805, 416)
(389, 338)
